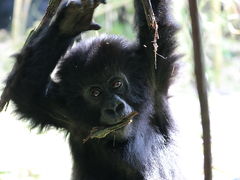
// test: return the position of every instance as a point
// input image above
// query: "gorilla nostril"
(109, 112)
(120, 108)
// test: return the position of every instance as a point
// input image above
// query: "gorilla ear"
(53, 81)
(54, 75)
(52, 88)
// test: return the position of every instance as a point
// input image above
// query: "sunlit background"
(28, 155)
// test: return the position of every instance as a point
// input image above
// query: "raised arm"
(27, 85)
(166, 43)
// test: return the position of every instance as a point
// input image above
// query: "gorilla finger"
(103, 1)
(100, 1)
(89, 3)
(74, 3)
(94, 26)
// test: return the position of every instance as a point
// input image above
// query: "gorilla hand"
(75, 16)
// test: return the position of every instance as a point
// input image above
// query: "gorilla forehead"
(106, 50)
(99, 58)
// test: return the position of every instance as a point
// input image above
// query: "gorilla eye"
(95, 92)
(117, 84)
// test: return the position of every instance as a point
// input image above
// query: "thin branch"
(201, 87)
(50, 11)
(152, 24)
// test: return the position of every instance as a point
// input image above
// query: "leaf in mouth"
(102, 132)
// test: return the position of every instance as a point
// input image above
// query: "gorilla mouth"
(102, 132)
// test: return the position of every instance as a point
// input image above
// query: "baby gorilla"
(97, 83)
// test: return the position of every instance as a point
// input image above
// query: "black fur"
(144, 150)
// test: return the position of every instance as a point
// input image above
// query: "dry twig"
(152, 24)
(102, 132)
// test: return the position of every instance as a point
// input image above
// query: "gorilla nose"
(115, 111)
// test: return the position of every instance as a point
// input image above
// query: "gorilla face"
(101, 103)
(99, 89)
(109, 99)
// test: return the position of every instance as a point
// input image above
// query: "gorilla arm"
(165, 59)
(27, 84)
